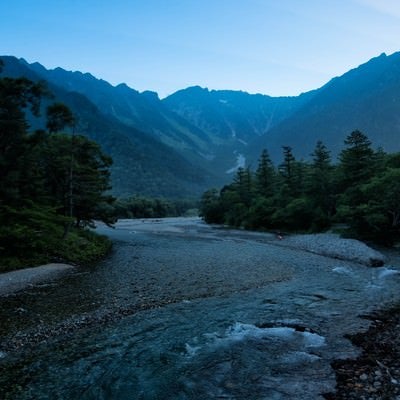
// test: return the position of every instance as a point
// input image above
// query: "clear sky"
(275, 47)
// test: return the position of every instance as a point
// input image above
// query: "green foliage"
(357, 160)
(59, 116)
(82, 247)
(76, 175)
(319, 185)
(211, 207)
(297, 215)
(143, 207)
(362, 193)
(26, 244)
(379, 216)
(28, 235)
(48, 182)
(265, 175)
(261, 212)
(16, 95)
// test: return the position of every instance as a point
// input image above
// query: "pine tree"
(357, 161)
(59, 116)
(357, 164)
(265, 176)
(243, 185)
(34, 178)
(292, 175)
(287, 167)
(319, 183)
(16, 95)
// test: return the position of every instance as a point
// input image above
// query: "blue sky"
(275, 47)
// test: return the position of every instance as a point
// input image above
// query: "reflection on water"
(184, 311)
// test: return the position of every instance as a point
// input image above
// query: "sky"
(273, 47)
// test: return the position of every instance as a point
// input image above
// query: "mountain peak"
(150, 95)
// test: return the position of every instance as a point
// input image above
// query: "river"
(183, 310)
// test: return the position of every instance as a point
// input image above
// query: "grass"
(80, 247)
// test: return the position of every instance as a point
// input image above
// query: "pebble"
(377, 369)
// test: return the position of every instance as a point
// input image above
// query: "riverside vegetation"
(360, 194)
(52, 184)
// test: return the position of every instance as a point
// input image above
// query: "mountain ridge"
(366, 98)
(142, 165)
(212, 132)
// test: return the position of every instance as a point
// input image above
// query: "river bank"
(325, 244)
(375, 374)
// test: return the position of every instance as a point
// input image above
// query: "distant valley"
(194, 139)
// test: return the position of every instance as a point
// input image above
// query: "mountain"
(142, 111)
(366, 98)
(236, 115)
(232, 119)
(211, 129)
(142, 164)
(196, 138)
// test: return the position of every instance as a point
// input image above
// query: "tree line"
(359, 195)
(52, 184)
(146, 207)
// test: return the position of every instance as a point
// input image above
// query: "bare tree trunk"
(67, 227)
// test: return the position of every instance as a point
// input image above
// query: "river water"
(182, 310)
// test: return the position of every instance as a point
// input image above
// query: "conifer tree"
(16, 95)
(357, 160)
(357, 164)
(243, 185)
(34, 176)
(265, 175)
(319, 183)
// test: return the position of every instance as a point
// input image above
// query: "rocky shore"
(11, 282)
(375, 374)
(332, 245)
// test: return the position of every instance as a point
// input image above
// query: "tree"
(357, 161)
(243, 185)
(286, 169)
(91, 177)
(363, 193)
(210, 207)
(34, 180)
(379, 215)
(295, 215)
(261, 212)
(16, 95)
(291, 172)
(319, 182)
(357, 165)
(265, 175)
(92, 181)
(59, 116)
